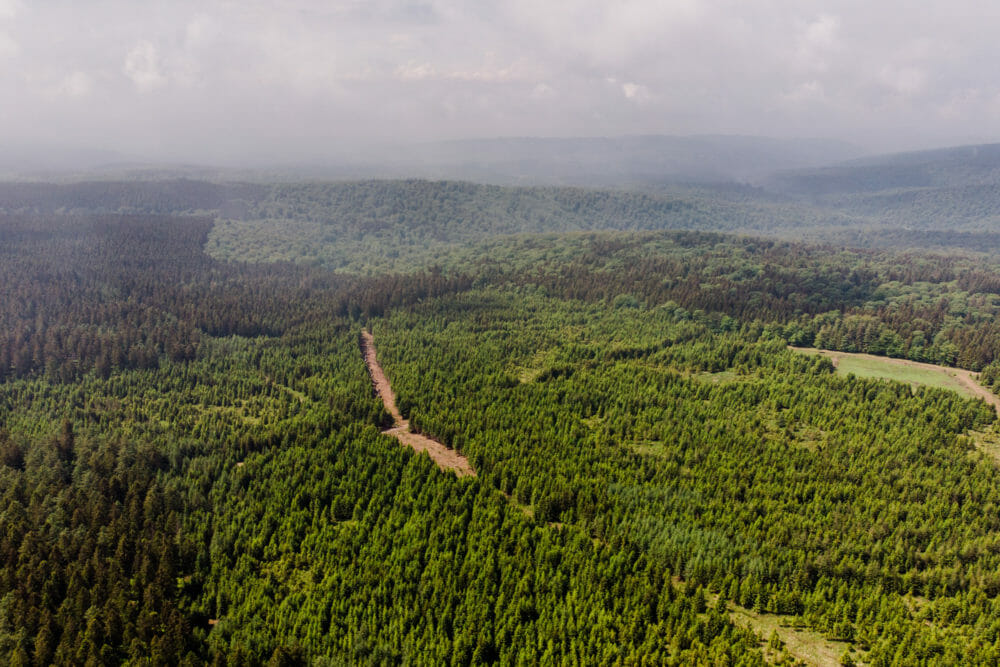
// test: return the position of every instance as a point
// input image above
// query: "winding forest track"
(445, 457)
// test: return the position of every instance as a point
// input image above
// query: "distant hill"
(939, 198)
(947, 198)
(130, 197)
(395, 224)
(19, 161)
(949, 167)
(630, 161)
(607, 162)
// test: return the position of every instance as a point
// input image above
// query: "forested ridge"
(378, 226)
(193, 470)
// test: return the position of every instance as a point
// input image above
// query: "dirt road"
(446, 458)
(966, 378)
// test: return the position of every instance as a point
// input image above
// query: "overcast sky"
(286, 80)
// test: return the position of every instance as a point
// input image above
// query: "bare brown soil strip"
(967, 378)
(446, 458)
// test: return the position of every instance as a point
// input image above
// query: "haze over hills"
(951, 193)
(945, 167)
(611, 161)
(22, 160)
(593, 162)
(807, 189)
(799, 168)
(942, 198)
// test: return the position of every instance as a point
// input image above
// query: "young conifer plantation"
(193, 468)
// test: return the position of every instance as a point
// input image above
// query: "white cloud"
(961, 102)
(9, 8)
(202, 29)
(817, 42)
(8, 47)
(542, 91)
(415, 71)
(805, 92)
(822, 33)
(142, 66)
(491, 72)
(904, 81)
(635, 92)
(75, 84)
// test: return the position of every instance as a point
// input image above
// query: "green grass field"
(900, 370)
(891, 369)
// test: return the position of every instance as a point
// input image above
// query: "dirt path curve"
(446, 458)
(966, 378)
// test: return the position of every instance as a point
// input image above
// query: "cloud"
(201, 30)
(961, 102)
(804, 93)
(9, 8)
(905, 81)
(293, 76)
(143, 68)
(491, 71)
(822, 33)
(542, 91)
(8, 47)
(817, 41)
(635, 92)
(415, 71)
(74, 84)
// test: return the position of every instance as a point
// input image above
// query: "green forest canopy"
(193, 470)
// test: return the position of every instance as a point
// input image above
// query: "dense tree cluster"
(108, 293)
(158, 197)
(237, 505)
(925, 307)
(91, 553)
(743, 466)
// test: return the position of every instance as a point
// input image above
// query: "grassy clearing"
(796, 644)
(988, 442)
(717, 378)
(239, 412)
(649, 447)
(801, 644)
(899, 370)
(528, 375)
(915, 375)
(809, 437)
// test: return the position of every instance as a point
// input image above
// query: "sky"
(217, 81)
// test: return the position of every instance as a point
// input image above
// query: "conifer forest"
(195, 467)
